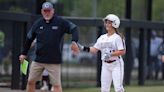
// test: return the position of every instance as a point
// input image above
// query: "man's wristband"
(87, 49)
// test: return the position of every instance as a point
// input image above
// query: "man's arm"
(29, 39)
(75, 34)
(24, 52)
(71, 28)
(26, 46)
(75, 37)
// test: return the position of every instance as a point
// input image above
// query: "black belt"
(110, 61)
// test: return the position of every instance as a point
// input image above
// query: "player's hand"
(75, 48)
(106, 56)
(22, 58)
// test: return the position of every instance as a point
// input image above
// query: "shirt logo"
(54, 27)
(41, 27)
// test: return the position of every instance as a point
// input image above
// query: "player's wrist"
(87, 49)
(83, 48)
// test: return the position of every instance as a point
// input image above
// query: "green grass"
(145, 89)
(82, 90)
(128, 89)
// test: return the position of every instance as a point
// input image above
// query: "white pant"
(112, 71)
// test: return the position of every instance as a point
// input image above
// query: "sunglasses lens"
(47, 10)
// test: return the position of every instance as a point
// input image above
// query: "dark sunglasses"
(47, 10)
(107, 21)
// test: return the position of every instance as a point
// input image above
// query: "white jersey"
(110, 44)
(111, 71)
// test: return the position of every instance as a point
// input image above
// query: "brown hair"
(119, 33)
(122, 36)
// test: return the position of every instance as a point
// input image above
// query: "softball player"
(112, 46)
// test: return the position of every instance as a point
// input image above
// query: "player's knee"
(31, 82)
(105, 86)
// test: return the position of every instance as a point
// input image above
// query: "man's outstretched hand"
(75, 48)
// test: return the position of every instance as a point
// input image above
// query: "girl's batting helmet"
(114, 19)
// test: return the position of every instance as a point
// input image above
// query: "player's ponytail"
(122, 36)
(119, 33)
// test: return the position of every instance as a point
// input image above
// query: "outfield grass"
(128, 89)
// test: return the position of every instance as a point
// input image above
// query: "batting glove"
(106, 56)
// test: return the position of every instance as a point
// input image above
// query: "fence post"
(17, 33)
(99, 62)
(142, 56)
(128, 57)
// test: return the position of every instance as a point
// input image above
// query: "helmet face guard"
(114, 19)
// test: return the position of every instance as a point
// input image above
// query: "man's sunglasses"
(47, 10)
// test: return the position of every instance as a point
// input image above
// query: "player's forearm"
(93, 50)
(118, 53)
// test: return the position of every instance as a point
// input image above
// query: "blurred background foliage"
(158, 10)
(90, 8)
(85, 8)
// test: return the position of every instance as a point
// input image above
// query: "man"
(154, 63)
(48, 32)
